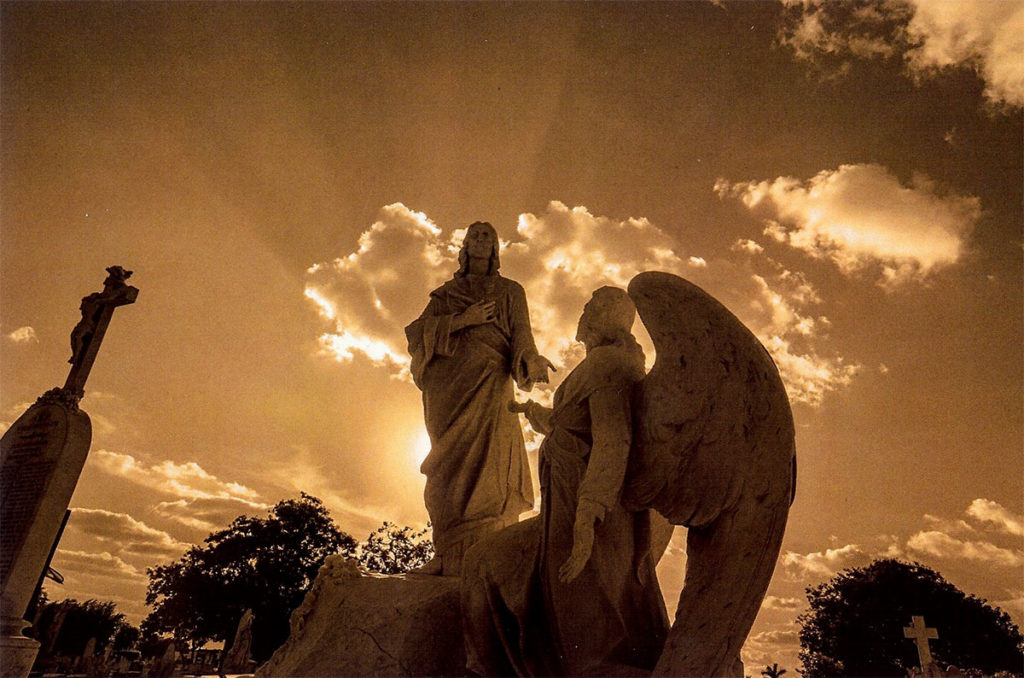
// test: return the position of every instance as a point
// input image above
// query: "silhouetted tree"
(855, 623)
(266, 564)
(81, 621)
(772, 671)
(391, 549)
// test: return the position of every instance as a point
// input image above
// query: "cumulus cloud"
(94, 564)
(960, 527)
(124, 534)
(188, 480)
(820, 565)
(942, 545)
(777, 603)
(364, 295)
(985, 36)
(990, 512)
(777, 645)
(559, 256)
(207, 513)
(23, 335)
(1014, 604)
(861, 215)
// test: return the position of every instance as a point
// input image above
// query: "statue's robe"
(477, 473)
(519, 619)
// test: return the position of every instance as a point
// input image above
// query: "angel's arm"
(538, 415)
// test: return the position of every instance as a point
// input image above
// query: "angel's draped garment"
(477, 473)
(519, 619)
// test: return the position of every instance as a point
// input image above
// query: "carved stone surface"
(41, 457)
(357, 624)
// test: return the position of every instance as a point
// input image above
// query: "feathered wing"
(713, 450)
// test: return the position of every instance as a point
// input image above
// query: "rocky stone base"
(357, 624)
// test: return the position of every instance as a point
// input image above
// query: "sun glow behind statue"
(420, 448)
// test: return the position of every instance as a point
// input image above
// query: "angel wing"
(713, 450)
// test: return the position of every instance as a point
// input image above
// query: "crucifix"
(921, 635)
(97, 310)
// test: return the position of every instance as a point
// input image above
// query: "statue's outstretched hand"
(537, 367)
(582, 544)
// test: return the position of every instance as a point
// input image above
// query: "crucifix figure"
(97, 310)
(921, 635)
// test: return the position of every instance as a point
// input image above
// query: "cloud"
(207, 513)
(559, 256)
(1014, 604)
(776, 603)
(960, 527)
(987, 511)
(188, 480)
(91, 564)
(364, 295)
(941, 545)
(861, 215)
(983, 35)
(820, 565)
(927, 35)
(778, 645)
(23, 335)
(124, 534)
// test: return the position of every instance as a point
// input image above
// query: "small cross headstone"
(921, 634)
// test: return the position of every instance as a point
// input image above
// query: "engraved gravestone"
(41, 457)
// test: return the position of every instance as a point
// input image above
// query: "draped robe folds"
(519, 619)
(477, 473)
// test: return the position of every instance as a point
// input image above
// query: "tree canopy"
(855, 623)
(391, 549)
(264, 564)
(65, 627)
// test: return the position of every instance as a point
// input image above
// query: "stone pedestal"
(357, 624)
(41, 457)
(17, 653)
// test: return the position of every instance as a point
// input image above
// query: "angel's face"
(586, 330)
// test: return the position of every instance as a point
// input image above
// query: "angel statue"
(468, 346)
(705, 439)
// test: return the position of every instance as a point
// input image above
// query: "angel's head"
(481, 242)
(607, 318)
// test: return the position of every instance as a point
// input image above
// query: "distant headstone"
(164, 666)
(236, 659)
(87, 662)
(41, 457)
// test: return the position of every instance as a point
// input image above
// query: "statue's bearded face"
(480, 242)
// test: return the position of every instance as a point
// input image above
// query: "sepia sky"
(289, 181)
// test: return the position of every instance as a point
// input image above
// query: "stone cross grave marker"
(41, 457)
(921, 634)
